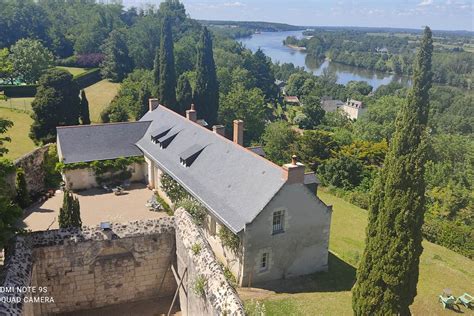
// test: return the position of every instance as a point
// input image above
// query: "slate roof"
(258, 150)
(234, 183)
(85, 143)
(331, 105)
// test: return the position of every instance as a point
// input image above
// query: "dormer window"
(159, 133)
(166, 140)
(278, 220)
(188, 156)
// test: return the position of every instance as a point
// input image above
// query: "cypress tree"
(184, 94)
(167, 83)
(84, 114)
(156, 75)
(22, 196)
(389, 269)
(206, 93)
(69, 214)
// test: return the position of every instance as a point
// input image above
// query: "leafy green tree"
(184, 94)
(378, 123)
(344, 172)
(4, 126)
(279, 141)
(144, 40)
(167, 75)
(117, 62)
(69, 213)
(316, 146)
(360, 87)
(389, 269)
(84, 113)
(56, 103)
(22, 195)
(30, 59)
(206, 92)
(6, 66)
(259, 66)
(246, 105)
(313, 111)
(115, 112)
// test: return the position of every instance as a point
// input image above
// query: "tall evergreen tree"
(22, 195)
(389, 269)
(69, 213)
(167, 83)
(56, 103)
(206, 93)
(184, 94)
(117, 62)
(156, 75)
(84, 114)
(260, 67)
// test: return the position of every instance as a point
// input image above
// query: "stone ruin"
(67, 270)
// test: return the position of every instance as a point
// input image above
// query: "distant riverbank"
(299, 48)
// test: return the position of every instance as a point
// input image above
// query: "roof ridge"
(225, 138)
(101, 124)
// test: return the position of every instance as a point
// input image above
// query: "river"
(271, 43)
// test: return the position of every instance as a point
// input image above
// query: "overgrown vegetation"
(199, 286)
(196, 248)
(229, 239)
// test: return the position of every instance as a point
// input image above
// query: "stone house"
(353, 109)
(282, 225)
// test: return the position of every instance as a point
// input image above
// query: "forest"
(391, 52)
(132, 47)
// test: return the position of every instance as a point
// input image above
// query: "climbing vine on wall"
(229, 239)
(110, 170)
(173, 189)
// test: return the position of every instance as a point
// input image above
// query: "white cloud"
(425, 2)
(234, 4)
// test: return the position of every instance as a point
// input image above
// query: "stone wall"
(194, 255)
(80, 179)
(32, 164)
(92, 268)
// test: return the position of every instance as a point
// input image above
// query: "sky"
(438, 14)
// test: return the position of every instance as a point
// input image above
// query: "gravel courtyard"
(96, 206)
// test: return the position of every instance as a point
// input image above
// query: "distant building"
(292, 100)
(354, 109)
(330, 105)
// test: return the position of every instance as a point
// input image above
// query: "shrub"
(22, 195)
(200, 285)
(196, 248)
(228, 275)
(194, 208)
(52, 176)
(173, 189)
(229, 239)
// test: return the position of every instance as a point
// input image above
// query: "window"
(264, 262)
(278, 218)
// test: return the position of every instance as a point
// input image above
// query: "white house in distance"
(282, 225)
(352, 108)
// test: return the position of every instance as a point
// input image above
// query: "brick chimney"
(239, 132)
(219, 129)
(294, 171)
(191, 114)
(153, 104)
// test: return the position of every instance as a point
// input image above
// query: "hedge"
(26, 91)
(83, 80)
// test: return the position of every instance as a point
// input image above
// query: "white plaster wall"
(303, 246)
(80, 179)
(353, 113)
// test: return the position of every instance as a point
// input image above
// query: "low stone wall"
(90, 268)
(81, 179)
(196, 257)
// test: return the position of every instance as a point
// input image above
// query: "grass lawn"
(329, 293)
(21, 143)
(99, 96)
(73, 70)
(23, 104)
